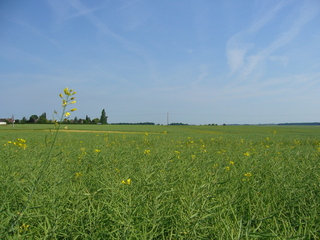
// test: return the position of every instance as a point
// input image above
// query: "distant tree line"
(311, 123)
(178, 124)
(42, 119)
(140, 123)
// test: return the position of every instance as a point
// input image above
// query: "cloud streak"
(246, 63)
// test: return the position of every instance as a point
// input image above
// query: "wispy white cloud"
(81, 10)
(246, 61)
(282, 60)
(236, 57)
(102, 27)
(239, 45)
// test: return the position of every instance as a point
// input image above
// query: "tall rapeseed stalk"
(67, 99)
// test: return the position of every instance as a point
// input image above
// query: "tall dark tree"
(103, 118)
(88, 120)
(75, 120)
(24, 120)
(42, 118)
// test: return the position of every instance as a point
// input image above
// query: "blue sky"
(222, 61)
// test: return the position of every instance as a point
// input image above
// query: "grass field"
(159, 182)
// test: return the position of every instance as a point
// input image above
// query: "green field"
(159, 182)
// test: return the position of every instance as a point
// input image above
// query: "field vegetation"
(159, 182)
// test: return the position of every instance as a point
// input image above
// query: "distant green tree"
(42, 118)
(103, 118)
(24, 120)
(88, 120)
(33, 119)
(95, 120)
(75, 120)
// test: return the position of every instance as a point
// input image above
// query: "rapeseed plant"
(147, 152)
(127, 182)
(247, 154)
(21, 143)
(24, 228)
(247, 175)
(67, 99)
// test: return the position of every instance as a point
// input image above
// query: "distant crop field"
(159, 182)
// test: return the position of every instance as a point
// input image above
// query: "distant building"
(4, 121)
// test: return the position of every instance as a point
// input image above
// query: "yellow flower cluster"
(127, 182)
(23, 228)
(67, 98)
(247, 175)
(247, 154)
(21, 143)
(147, 152)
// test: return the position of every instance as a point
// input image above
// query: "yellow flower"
(66, 91)
(127, 182)
(73, 102)
(67, 114)
(64, 103)
(61, 95)
(20, 143)
(73, 109)
(231, 163)
(24, 228)
(78, 174)
(147, 151)
(227, 168)
(97, 150)
(247, 154)
(248, 174)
